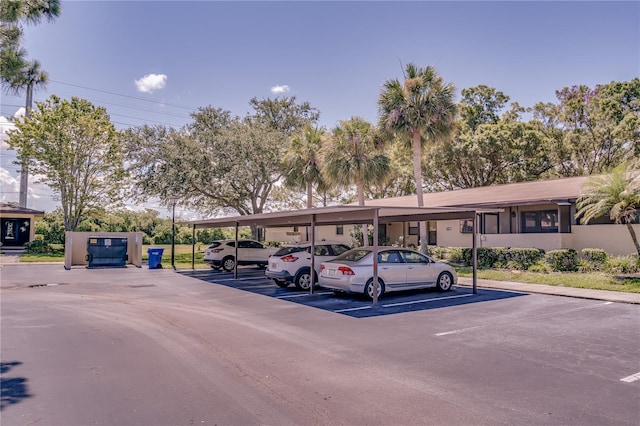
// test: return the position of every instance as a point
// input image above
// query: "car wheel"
(281, 283)
(303, 280)
(368, 289)
(228, 263)
(445, 281)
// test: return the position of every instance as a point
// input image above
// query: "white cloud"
(10, 185)
(151, 82)
(279, 89)
(6, 125)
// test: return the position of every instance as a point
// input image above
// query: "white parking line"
(631, 378)
(390, 305)
(291, 296)
(352, 309)
(239, 279)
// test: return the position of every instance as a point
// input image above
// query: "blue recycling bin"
(155, 257)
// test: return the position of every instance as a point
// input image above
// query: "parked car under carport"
(337, 215)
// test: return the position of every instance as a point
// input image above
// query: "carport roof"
(337, 215)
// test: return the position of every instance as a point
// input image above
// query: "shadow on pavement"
(12, 389)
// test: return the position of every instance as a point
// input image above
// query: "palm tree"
(421, 109)
(302, 162)
(616, 195)
(353, 157)
(13, 64)
(16, 73)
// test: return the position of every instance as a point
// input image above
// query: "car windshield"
(283, 251)
(352, 255)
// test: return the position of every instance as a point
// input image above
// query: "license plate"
(273, 266)
(331, 272)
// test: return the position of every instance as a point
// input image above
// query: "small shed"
(75, 247)
(17, 225)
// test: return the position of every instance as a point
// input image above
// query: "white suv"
(292, 263)
(221, 254)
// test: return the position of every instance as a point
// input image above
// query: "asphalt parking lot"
(135, 346)
(353, 305)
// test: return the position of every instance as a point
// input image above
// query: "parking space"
(353, 305)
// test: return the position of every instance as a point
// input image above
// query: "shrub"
(37, 247)
(490, 257)
(539, 266)
(456, 254)
(622, 265)
(523, 258)
(437, 252)
(562, 260)
(594, 255)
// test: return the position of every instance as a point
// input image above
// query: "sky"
(156, 62)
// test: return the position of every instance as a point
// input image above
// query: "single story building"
(17, 225)
(538, 214)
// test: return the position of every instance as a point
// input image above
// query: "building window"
(339, 229)
(466, 226)
(413, 228)
(545, 221)
(490, 223)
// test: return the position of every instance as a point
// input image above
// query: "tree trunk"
(417, 173)
(634, 238)
(309, 195)
(360, 190)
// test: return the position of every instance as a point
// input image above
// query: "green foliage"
(418, 110)
(592, 129)
(16, 72)
(616, 195)
(592, 259)
(541, 266)
(352, 156)
(524, 258)
(486, 148)
(37, 247)
(220, 162)
(73, 146)
(562, 260)
(302, 170)
(494, 257)
(622, 265)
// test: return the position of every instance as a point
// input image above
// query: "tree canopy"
(73, 146)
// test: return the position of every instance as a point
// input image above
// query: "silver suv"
(221, 254)
(292, 263)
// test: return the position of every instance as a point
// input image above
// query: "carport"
(341, 215)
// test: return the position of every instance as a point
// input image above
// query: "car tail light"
(322, 267)
(346, 270)
(216, 250)
(288, 258)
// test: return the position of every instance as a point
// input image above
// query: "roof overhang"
(338, 215)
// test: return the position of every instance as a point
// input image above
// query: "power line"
(123, 95)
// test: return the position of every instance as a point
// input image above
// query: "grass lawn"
(592, 281)
(182, 258)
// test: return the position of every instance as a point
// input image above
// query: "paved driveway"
(155, 347)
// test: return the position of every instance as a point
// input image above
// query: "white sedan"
(398, 269)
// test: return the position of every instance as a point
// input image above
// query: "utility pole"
(173, 199)
(24, 169)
